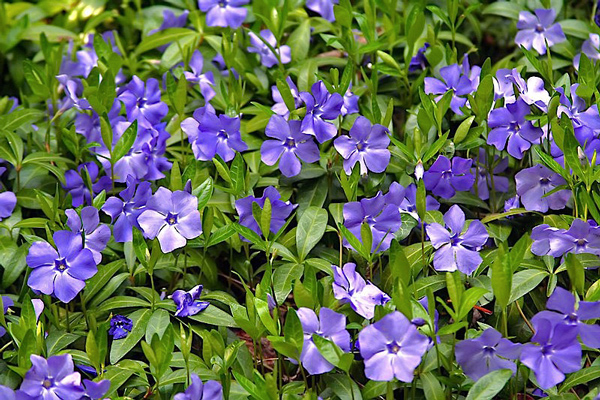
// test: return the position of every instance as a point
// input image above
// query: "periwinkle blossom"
(224, 13)
(210, 134)
(350, 105)
(486, 181)
(558, 352)
(188, 303)
(77, 187)
(120, 326)
(486, 353)
(268, 58)
(62, 273)
(7, 393)
(209, 390)
(535, 30)
(88, 125)
(206, 80)
(366, 145)
(597, 15)
(580, 238)
(532, 185)
(461, 80)
(289, 145)
(6, 303)
(143, 102)
(96, 235)
(350, 287)
(383, 220)
(511, 129)
(456, 250)
(329, 325)
(73, 89)
(323, 7)
(586, 120)
(280, 107)
(512, 203)
(406, 199)
(280, 210)
(562, 310)
(419, 61)
(170, 20)
(52, 378)
(124, 211)
(532, 91)
(392, 348)
(591, 48)
(445, 177)
(8, 201)
(321, 107)
(172, 217)
(95, 390)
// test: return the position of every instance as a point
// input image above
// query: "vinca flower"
(532, 185)
(289, 145)
(444, 178)
(323, 7)
(279, 107)
(586, 120)
(487, 353)
(280, 210)
(8, 201)
(455, 250)
(330, 325)
(392, 348)
(120, 327)
(563, 311)
(172, 217)
(142, 101)
(486, 181)
(6, 303)
(535, 30)
(53, 378)
(267, 57)
(350, 287)
(96, 235)
(591, 48)
(209, 390)
(206, 80)
(350, 105)
(62, 273)
(406, 199)
(321, 107)
(366, 145)
(188, 303)
(419, 61)
(224, 13)
(95, 390)
(557, 353)
(77, 187)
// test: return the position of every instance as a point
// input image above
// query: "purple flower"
(224, 13)
(406, 199)
(591, 48)
(461, 80)
(586, 120)
(61, 273)
(88, 125)
(120, 327)
(8, 201)
(96, 235)
(562, 304)
(383, 219)
(392, 348)
(280, 210)
(445, 177)
(124, 213)
(331, 326)
(419, 61)
(557, 354)
(210, 390)
(6, 303)
(350, 105)
(321, 106)
(453, 249)
(279, 107)
(536, 30)
(73, 89)
(172, 217)
(142, 102)
(580, 238)
(188, 303)
(95, 390)
(77, 188)
(509, 124)
(350, 287)
(290, 144)
(171, 21)
(489, 352)
(512, 203)
(7, 393)
(323, 7)
(487, 181)
(533, 183)
(597, 16)
(53, 378)
(206, 81)
(267, 57)
(210, 134)
(366, 144)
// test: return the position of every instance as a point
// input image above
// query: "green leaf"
(489, 385)
(99, 280)
(18, 118)
(469, 299)
(501, 277)
(524, 282)
(576, 273)
(310, 230)
(283, 278)
(121, 347)
(292, 330)
(214, 316)
(204, 192)
(343, 387)
(164, 37)
(432, 387)
(583, 376)
(157, 325)
(265, 218)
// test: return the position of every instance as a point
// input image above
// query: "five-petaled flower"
(535, 30)
(188, 303)
(366, 145)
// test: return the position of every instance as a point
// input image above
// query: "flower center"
(515, 127)
(142, 102)
(47, 383)
(394, 347)
(572, 318)
(290, 143)
(222, 134)
(544, 181)
(547, 349)
(361, 146)
(447, 174)
(60, 264)
(222, 3)
(171, 219)
(539, 28)
(489, 351)
(581, 242)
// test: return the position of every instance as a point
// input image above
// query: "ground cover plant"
(279, 199)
